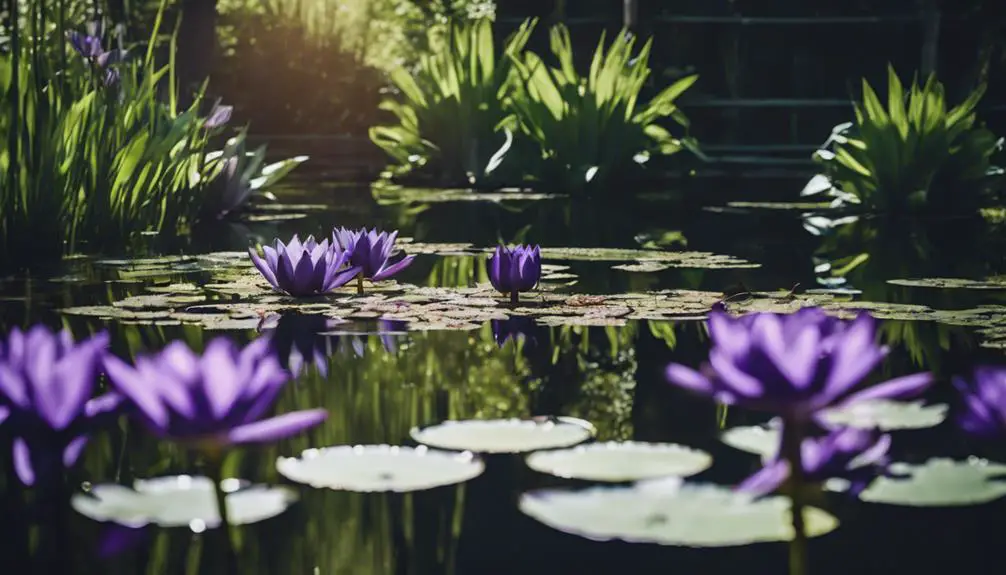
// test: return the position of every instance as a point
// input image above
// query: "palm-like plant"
(452, 103)
(913, 153)
(593, 128)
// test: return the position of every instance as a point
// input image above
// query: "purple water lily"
(370, 251)
(512, 271)
(984, 402)
(86, 44)
(794, 365)
(214, 400)
(219, 116)
(304, 269)
(46, 386)
(855, 455)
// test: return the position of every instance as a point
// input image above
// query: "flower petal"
(767, 479)
(131, 383)
(394, 268)
(22, 462)
(688, 378)
(905, 387)
(277, 427)
(263, 268)
(73, 450)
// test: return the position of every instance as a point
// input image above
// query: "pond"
(625, 290)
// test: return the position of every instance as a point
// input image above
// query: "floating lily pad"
(642, 267)
(670, 258)
(760, 440)
(621, 461)
(952, 283)
(456, 249)
(670, 512)
(182, 500)
(394, 194)
(369, 468)
(795, 206)
(940, 483)
(887, 415)
(505, 435)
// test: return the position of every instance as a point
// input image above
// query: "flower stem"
(359, 284)
(792, 437)
(514, 297)
(215, 469)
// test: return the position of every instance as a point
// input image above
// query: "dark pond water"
(377, 388)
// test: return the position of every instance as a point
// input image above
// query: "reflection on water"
(378, 380)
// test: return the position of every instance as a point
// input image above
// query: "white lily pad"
(182, 500)
(371, 468)
(887, 415)
(505, 435)
(621, 461)
(671, 513)
(760, 440)
(939, 483)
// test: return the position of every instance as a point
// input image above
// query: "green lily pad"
(996, 283)
(798, 206)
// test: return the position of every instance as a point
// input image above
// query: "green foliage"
(452, 103)
(912, 153)
(591, 129)
(291, 67)
(90, 164)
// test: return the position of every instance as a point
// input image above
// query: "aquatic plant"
(370, 251)
(514, 328)
(47, 382)
(452, 103)
(854, 455)
(592, 129)
(304, 269)
(210, 401)
(914, 153)
(984, 402)
(513, 270)
(796, 366)
(94, 155)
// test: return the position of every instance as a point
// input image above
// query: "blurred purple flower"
(855, 455)
(303, 269)
(219, 116)
(512, 271)
(214, 400)
(370, 251)
(984, 402)
(46, 387)
(794, 365)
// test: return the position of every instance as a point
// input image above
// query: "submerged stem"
(216, 475)
(514, 297)
(791, 442)
(359, 284)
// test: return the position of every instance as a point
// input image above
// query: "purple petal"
(741, 383)
(75, 374)
(219, 116)
(905, 387)
(131, 383)
(263, 268)
(73, 450)
(22, 462)
(276, 428)
(688, 378)
(222, 383)
(766, 480)
(394, 268)
(13, 387)
(4, 414)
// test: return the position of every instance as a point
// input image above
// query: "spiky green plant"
(92, 160)
(593, 128)
(913, 153)
(452, 103)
